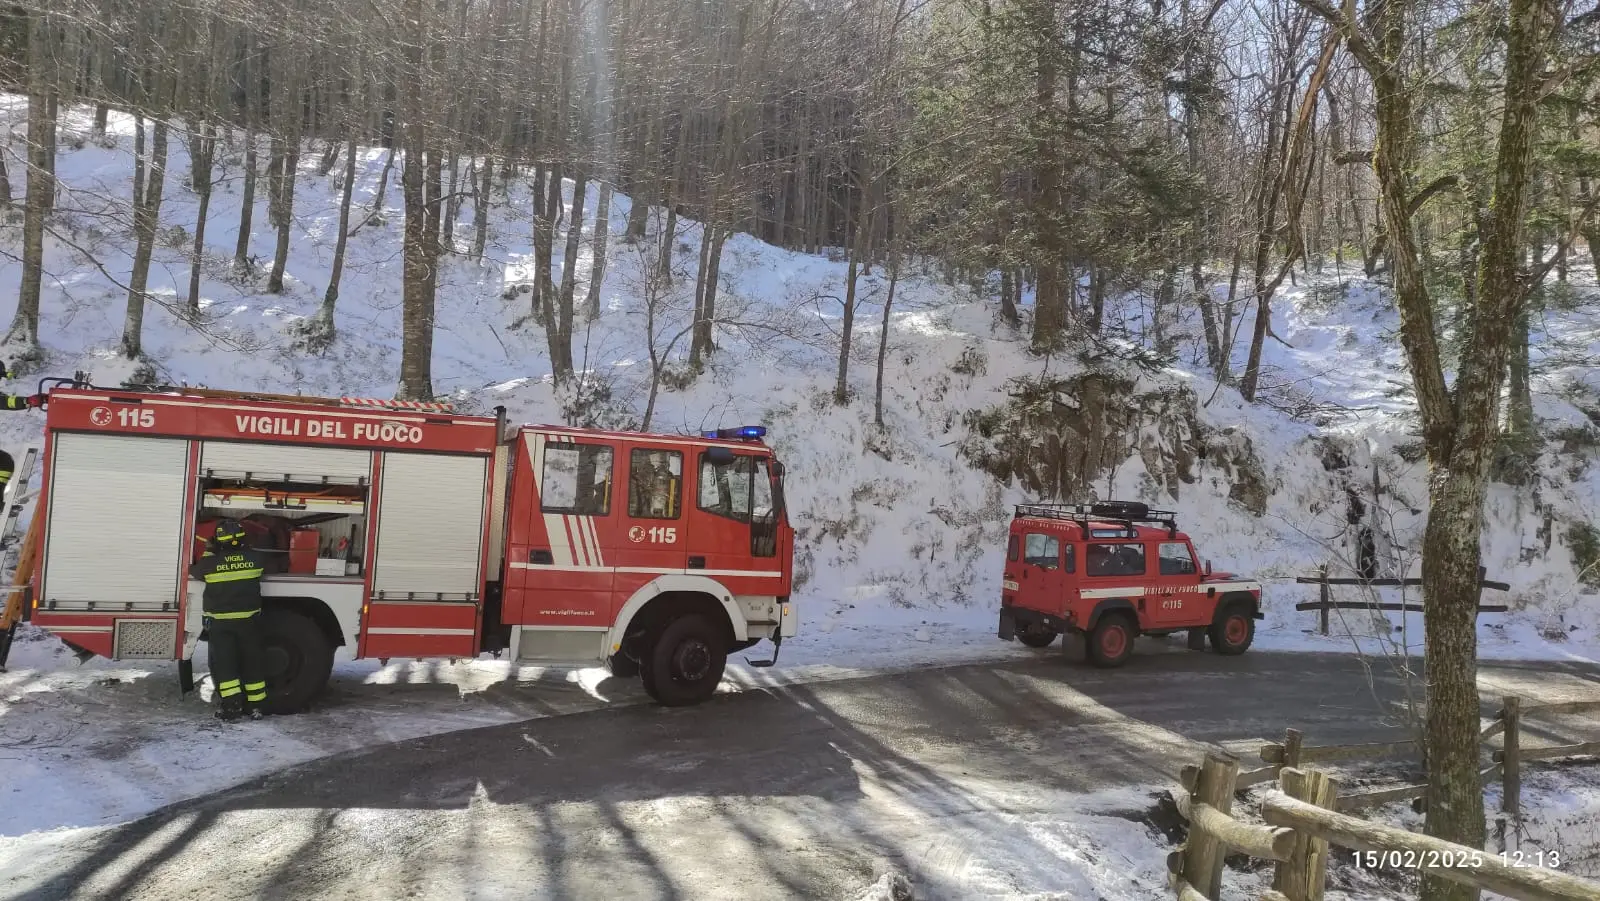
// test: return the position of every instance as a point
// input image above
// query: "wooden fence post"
(1511, 766)
(1202, 853)
(1304, 875)
(1325, 594)
(1291, 748)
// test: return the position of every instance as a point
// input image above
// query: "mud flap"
(1008, 625)
(1197, 639)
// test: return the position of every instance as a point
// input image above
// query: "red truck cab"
(1113, 571)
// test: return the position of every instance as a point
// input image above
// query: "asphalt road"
(801, 791)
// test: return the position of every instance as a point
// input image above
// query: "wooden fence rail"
(1325, 601)
(1506, 766)
(1301, 822)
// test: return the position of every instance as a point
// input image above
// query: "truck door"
(652, 538)
(735, 522)
(1042, 577)
(1180, 604)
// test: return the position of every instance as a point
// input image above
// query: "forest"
(1051, 154)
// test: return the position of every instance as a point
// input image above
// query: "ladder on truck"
(18, 561)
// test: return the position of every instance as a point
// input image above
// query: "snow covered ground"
(901, 536)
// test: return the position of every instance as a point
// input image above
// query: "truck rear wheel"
(1036, 636)
(1111, 642)
(299, 660)
(685, 662)
(1234, 629)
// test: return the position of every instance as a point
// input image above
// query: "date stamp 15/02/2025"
(1450, 860)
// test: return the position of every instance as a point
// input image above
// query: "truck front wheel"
(685, 662)
(298, 659)
(1234, 629)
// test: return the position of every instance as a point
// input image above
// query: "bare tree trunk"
(704, 334)
(322, 326)
(883, 334)
(281, 209)
(242, 266)
(149, 175)
(102, 117)
(375, 215)
(696, 360)
(546, 220)
(841, 387)
(638, 214)
(1008, 307)
(669, 241)
(481, 199)
(452, 208)
(602, 235)
(202, 155)
(6, 199)
(417, 318)
(41, 190)
(569, 262)
(330, 156)
(1049, 309)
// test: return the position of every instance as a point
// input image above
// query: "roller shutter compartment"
(430, 525)
(115, 528)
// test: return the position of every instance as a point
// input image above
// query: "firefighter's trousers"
(238, 667)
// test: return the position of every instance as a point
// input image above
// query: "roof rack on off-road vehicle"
(1129, 513)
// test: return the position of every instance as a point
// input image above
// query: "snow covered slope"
(899, 530)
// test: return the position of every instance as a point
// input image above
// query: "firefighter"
(12, 402)
(232, 572)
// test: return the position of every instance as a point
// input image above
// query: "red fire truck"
(409, 531)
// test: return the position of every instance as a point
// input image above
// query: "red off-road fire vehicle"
(406, 530)
(1114, 571)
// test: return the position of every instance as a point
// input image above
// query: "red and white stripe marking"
(386, 404)
(573, 539)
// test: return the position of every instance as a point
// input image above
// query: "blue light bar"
(743, 433)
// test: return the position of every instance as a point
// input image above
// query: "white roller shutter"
(234, 460)
(116, 507)
(430, 524)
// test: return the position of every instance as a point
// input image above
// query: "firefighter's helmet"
(229, 532)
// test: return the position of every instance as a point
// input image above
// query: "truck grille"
(145, 639)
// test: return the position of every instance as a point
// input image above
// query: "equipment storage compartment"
(427, 568)
(305, 508)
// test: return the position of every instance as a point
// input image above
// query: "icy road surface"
(996, 780)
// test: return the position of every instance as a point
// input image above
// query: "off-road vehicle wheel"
(1036, 636)
(1111, 642)
(1233, 630)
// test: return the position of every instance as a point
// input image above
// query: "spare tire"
(1120, 509)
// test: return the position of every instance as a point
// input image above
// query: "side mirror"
(719, 456)
(1208, 569)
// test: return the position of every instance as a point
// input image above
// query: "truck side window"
(1043, 551)
(1115, 560)
(577, 479)
(1176, 560)
(655, 484)
(725, 487)
(1011, 549)
(1070, 558)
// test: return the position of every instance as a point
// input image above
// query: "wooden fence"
(1325, 601)
(1301, 821)
(1506, 765)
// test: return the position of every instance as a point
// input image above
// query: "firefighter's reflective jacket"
(233, 581)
